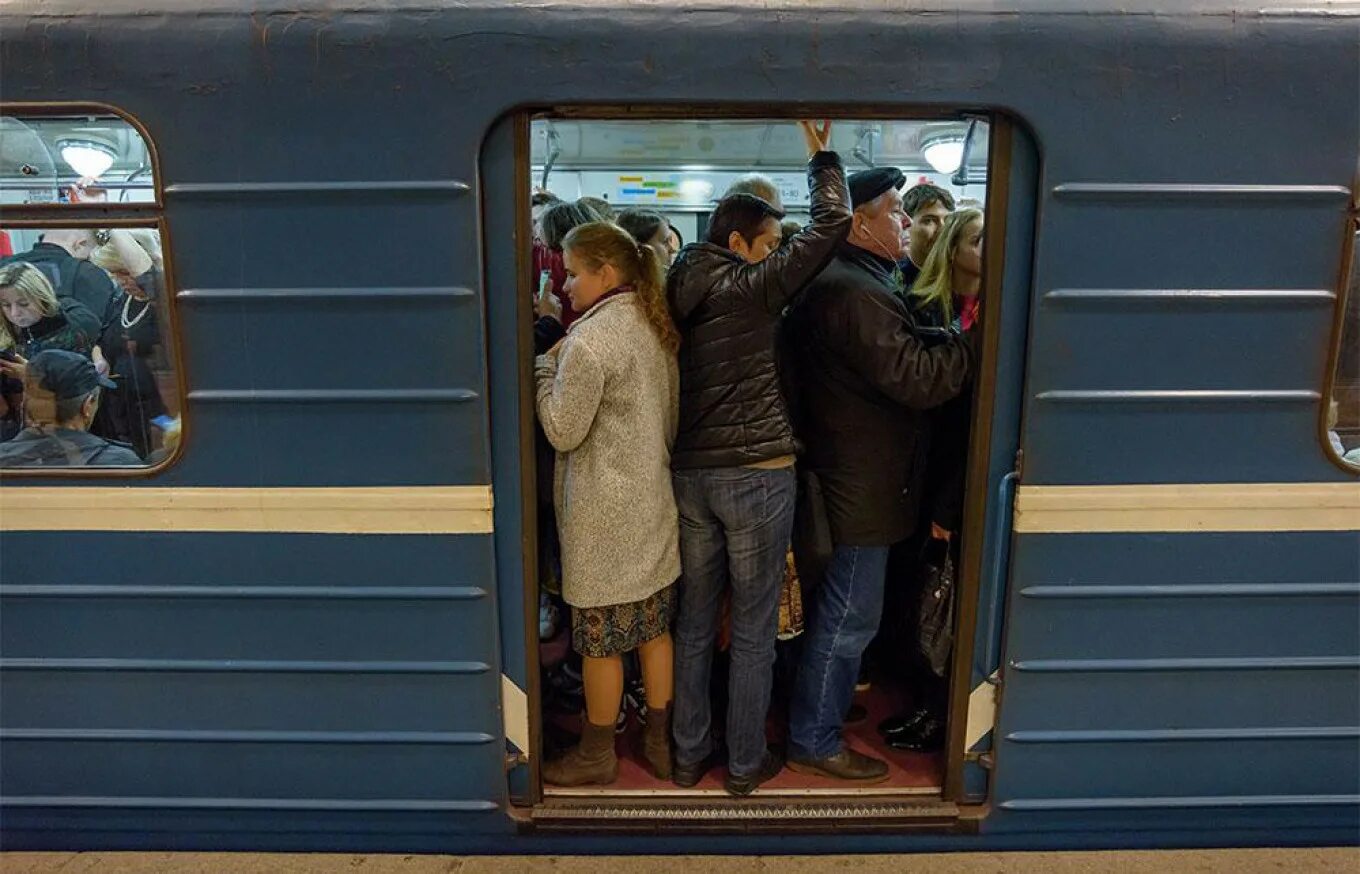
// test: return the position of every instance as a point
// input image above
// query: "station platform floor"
(1231, 861)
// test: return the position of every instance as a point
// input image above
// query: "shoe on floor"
(926, 736)
(906, 721)
(846, 765)
(592, 761)
(770, 766)
(688, 776)
(862, 683)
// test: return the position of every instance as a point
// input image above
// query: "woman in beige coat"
(607, 397)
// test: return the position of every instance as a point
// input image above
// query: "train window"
(88, 375)
(70, 159)
(1343, 409)
(87, 364)
(663, 182)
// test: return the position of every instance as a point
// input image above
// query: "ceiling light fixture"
(944, 153)
(87, 157)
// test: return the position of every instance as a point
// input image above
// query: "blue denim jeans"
(735, 524)
(849, 605)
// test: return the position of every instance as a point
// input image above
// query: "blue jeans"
(735, 525)
(849, 607)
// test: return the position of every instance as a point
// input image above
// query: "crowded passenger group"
(80, 335)
(766, 423)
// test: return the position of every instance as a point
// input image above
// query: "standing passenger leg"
(703, 561)
(756, 507)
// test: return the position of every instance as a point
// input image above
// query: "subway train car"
(309, 620)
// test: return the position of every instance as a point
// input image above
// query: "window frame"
(58, 109)
(150, 215)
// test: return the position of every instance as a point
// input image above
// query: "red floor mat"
(922, 772)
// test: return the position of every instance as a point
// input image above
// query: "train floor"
(908, 773)
(1231, 861)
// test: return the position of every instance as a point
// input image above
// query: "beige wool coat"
(608, 400)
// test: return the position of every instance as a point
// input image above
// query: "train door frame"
(959, 807)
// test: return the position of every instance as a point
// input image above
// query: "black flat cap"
(868, 184)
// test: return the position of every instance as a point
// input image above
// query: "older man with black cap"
(61, 395)
(864, 378)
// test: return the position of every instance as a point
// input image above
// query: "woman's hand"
(547, 304)
(15, 367)
(816, 134)
(101, 364)
(938, 533)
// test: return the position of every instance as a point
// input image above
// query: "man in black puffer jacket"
(734, 456)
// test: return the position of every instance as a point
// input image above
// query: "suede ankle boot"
(656, 742)
(592, 761)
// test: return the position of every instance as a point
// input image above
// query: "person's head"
(746, 224)
(787, 229)
(110, 259)
(880, 223)
(599, 207)
(78, 242)
(62, 389)
(928, 206)
(559, 219)
(758, 184)
(600, 257)
(25, 298)
(673, 240)
(954, 263)
(650, 229)
(539, 202)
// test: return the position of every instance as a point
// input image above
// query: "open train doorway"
(662, 179)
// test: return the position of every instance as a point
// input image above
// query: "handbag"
(935, 632)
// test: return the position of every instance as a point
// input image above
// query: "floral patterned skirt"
(599, 632)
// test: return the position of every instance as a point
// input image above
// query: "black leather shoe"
(688, 776)
(927, 737)
(904, 722)
(846, 765)
(771, 765)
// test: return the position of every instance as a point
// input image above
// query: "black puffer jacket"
(865, 375)
(727, 310)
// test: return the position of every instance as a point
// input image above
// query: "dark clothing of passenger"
(74, 329)
(909, 272)
(74, 278)
(64, 447)
(138, 398)
(727, 310)
(947, 457)
(865, 378)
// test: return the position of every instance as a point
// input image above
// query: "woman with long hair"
(947, 289)
(607, 397)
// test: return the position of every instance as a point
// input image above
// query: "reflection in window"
(1343, 413)
(73, 159)
(86, 363)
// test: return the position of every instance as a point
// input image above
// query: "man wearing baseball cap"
(61, 396)
(864, 377)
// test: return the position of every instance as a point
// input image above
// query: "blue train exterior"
(1165, 587)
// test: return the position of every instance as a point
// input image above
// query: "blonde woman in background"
(133, 259)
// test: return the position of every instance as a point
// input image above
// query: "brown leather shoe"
(846, 765)
(656, 742)
(592, 761)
